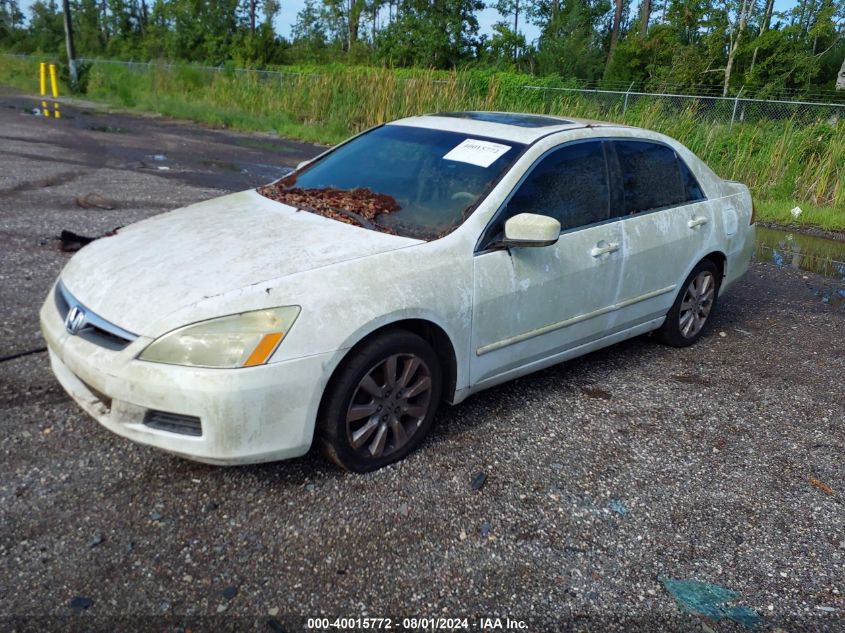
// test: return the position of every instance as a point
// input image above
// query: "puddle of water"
(806, 252)
(220, 164)
(111, 129)
(274, 146)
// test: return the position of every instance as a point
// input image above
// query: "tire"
(365, 422)
(689, 315)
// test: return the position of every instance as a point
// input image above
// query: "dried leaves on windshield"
(332, 203)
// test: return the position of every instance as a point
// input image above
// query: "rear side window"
(693, 190)
(570, 185)
(651, 178)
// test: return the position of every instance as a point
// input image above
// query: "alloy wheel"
(697, 303)
(389, 405)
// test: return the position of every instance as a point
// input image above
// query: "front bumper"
(247, 415)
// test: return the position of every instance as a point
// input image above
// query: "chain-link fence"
(712, 108)
(706, 107)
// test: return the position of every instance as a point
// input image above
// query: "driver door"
(532, 303)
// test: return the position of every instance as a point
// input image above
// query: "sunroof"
(508, 118)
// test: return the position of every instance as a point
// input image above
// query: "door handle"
(598, 250)
(695, 222)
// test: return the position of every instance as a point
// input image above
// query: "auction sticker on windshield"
(475, 152)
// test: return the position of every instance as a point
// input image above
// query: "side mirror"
(530, 229)
(302, 164)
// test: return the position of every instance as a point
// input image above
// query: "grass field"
(786, 163)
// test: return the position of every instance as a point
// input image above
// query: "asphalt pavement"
(561, 501)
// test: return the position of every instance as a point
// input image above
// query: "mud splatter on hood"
(153, 268)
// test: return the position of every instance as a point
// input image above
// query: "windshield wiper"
(360, 219)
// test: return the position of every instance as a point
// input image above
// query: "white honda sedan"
(419, 262)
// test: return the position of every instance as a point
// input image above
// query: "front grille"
(61, 303)
(96, 329)
(102, 338)
(173, 422)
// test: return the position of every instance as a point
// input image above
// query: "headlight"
(239, 340)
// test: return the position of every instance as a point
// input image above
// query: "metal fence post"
(625, 105)
(736, 103)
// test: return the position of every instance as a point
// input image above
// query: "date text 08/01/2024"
(416, 624)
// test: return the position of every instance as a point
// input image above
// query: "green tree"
(509, 8)
(505, 45)
(45, 31)
(570, 42)
(196, 30)
(90, 36)
(343, 20)
(436, 34)
(309, 37)
(11, 21)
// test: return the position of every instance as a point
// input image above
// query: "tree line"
(713, 46)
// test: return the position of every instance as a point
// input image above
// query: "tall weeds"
(779, 159)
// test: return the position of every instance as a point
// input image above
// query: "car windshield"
(409, 181)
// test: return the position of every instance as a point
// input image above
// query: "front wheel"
(695, 303)
(381, 403)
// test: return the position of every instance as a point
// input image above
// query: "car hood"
(151, 269)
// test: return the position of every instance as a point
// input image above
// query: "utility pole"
(71, 51)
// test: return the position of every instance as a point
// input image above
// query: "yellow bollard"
(44, 109)
(55, 86)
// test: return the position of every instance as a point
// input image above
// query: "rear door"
(666, 224)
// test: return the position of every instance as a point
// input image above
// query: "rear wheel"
(381, 403)
(695, 303)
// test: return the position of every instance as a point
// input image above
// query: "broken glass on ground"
(710, 601)
(618, 507)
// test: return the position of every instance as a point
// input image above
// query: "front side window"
(570, 184)
(651, 178)
(409, 181)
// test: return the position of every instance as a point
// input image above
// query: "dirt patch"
(596, 393)
(50, 181)
(95, 200)
(689, 379)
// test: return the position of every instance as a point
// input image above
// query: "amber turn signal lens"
(265, 347)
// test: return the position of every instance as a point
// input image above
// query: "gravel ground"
(721, 463)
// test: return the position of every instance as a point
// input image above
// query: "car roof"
(506, 126)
